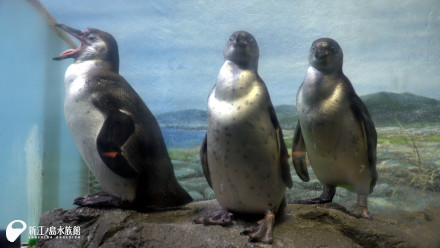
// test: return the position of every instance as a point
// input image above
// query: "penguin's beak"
(239, 42)
(70, 53)
(321, 53)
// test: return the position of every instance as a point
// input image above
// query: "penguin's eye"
(333, 50)
(91, 38)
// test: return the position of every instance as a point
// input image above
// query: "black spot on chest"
(249, 124)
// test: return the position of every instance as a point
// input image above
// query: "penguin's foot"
(100, 199)
(222, 218)
(263, 232)
(327, 196)
(361, 212)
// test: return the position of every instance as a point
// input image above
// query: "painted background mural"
(171, 53)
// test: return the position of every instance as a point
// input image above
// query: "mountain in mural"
(385, 108)
(186, 119)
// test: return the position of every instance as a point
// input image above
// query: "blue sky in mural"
(171, 51)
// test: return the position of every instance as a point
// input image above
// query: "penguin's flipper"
(363, 117)
(118, 127)
(282, 148)
(299, 154)
(204, 159)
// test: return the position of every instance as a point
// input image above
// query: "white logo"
(60, 232)
(13, 233)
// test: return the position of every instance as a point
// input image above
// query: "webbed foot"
(327, 196)
(263, 232)
(360, 210)
(222, 218)
(100, 199)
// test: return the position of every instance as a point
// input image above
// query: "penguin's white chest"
(243, 153)
(334, 139)
(85, 121)
(82, 117)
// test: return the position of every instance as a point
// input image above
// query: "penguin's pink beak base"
(70, 53)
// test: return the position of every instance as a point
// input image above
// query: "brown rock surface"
(325, 225)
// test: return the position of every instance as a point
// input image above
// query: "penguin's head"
(326, 56)
(95, 45)
(242, 49)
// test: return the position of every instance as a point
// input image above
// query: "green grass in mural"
(401, 140)
(406, 163)
(189, 155)
(288, 142)
(432, 138)
(395, 140)
(192, 155)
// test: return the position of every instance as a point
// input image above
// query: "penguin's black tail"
(169, 197)
(164, 192)
(177, 196)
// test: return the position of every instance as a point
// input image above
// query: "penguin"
(334, 130)
(243, 154)
(118, 137)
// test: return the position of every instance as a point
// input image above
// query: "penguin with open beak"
(118, 137)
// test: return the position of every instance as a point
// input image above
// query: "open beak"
(70, 53)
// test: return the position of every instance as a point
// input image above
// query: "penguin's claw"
(100, 199)
(263, 232)
(222, 218)
(361, 212)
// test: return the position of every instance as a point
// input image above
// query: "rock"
(186, 173)
(383, 204)
(179, 164)
(194, 184)
(195, 195)
(383, 189)
(326, 225)
(208, 193)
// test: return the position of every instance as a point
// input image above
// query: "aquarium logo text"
(41, 232)
(60, 232)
